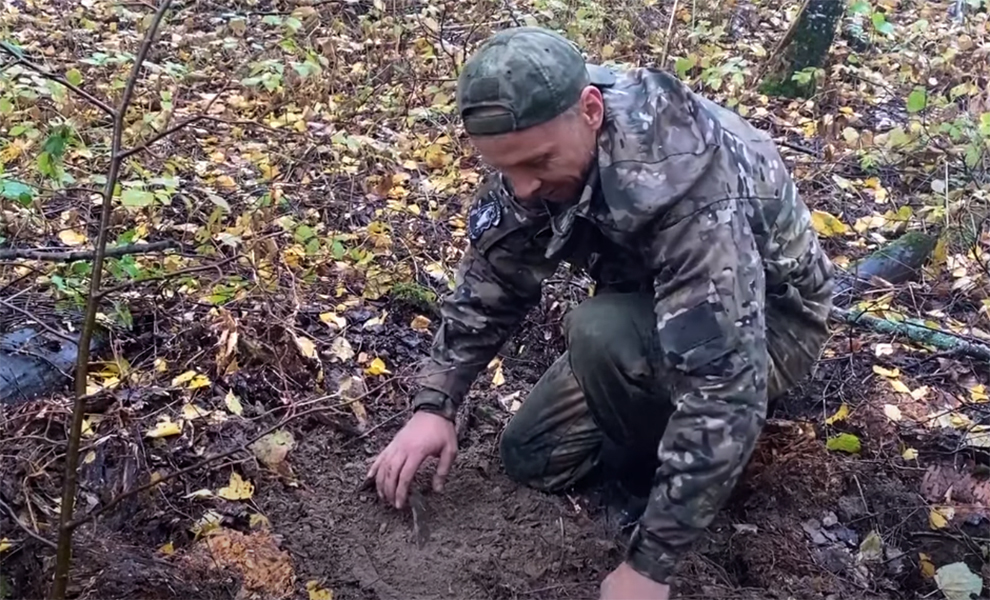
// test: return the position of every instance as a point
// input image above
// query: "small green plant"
(415, 295)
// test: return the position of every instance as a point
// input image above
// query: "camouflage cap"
(530, 73)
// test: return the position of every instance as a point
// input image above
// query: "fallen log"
(34, 363)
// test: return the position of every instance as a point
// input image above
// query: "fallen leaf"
(958, 582)
(316, 592)
(893, 413)
(237, 488)
(273, 448)
(333, 320)
(377, 367)
(840, 414)
(226, 181)
(978, 437)
(844, 442)
(233, 403)
(909, 454)
(920, 392)
(871, 549)
(208, 523)
(306, 346)
(341, 349)
(164, 428)
(899, 386)
(5, 545)
(883, 349)
(191, 412)
(199, 494)
(258, 521)
(927, 567)
(827, 225)
(193, 380)
(498, 378)
(939, 517)
(167, 549)
(420, 323)
(89, 458)
(71, 237)
(892, 373)
(978, 393)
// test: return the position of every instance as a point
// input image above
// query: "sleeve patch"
(695, 327)
(484, 216)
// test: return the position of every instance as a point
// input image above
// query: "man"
(711, 291)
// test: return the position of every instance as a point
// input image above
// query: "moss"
(414, 295)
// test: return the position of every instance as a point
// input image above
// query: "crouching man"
(711, 297)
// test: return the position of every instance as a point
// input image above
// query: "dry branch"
(64, 553)
(71, 255)
(20, 60)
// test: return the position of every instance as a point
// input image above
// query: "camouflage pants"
(603, 403)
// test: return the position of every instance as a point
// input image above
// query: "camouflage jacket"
(691, 203)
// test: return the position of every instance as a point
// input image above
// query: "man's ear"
(592, 106)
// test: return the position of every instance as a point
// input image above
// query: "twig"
(210, 459)
(181, 124)
(670, 30)
(71, 255)
(40, 323)
(25, 528)
(64, 552)
(18, 59)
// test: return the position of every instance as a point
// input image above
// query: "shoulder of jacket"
(494, 214)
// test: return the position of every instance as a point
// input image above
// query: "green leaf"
(683, 65)
(74, 77)
(880, 23)
(6, 106)
(17, 191)
(47, 164)
(137, 198)
(303, 233)
(917, 100)
(860, 7)
(844, 442)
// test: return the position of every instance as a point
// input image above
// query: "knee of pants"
(604, 333)
(520, 465)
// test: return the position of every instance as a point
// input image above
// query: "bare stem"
(64, 552)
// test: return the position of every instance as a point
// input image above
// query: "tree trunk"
(805, 46)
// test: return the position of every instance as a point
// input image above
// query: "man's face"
(549, 161)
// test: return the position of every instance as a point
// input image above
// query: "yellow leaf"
(191, 412)
(892, 373)
(164, 428)
(899, 386)
(377, 367)
(909, 454)
(87, 428)
(498, 378)
(927, 567)
(226, 181)
(919, 393)
(840, 415)
(940, 516)
(71, 237)
(199, 381)
(333, 320)
(420, 323)
(316, 592)
(184, 378)
(827, 225)
(237, 489)
(306, 346)
(978, 393)
(893, 413)
(161, 365)
(233, 403)
(90, 457)
(5, 545)
(167, 549)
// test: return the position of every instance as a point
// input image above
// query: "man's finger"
(381, 473)
(405, 479)
(393, 468)
(447, 456)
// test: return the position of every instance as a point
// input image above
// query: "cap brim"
(600, 76)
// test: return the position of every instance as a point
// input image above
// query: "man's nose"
(525, 188)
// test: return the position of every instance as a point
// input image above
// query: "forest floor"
(318, 215)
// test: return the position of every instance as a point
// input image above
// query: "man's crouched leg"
(597, 407)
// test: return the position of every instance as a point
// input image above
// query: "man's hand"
(625, 583)
(426, 434)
